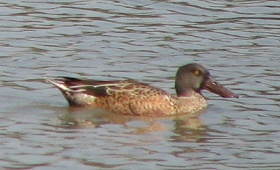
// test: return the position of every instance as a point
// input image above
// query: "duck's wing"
(101, 88)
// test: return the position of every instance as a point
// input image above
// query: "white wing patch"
(82, 88)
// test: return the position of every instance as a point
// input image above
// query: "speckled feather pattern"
(129, 97)
(144, 100)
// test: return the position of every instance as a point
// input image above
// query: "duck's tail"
(59, 82)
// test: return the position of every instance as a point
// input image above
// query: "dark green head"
(194, 78)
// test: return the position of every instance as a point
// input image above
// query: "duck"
(134, 98)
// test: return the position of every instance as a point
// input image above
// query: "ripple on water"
(145, 40)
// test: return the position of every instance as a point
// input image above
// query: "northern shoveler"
(130, 97)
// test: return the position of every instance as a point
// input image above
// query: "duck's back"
(133, 98)
(126, 97)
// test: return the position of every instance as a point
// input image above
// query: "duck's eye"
(197, 72)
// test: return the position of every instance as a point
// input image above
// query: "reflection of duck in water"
(185, 126)
(129, 97)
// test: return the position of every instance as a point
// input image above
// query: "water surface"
(145, 40)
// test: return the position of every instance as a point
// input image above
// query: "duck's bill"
(214, 87)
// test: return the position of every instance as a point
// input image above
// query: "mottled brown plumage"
(130, 97)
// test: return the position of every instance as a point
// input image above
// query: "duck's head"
(194, 78)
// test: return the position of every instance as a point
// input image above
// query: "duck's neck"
(185, 92)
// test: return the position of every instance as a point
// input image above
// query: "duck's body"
(131, 97)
